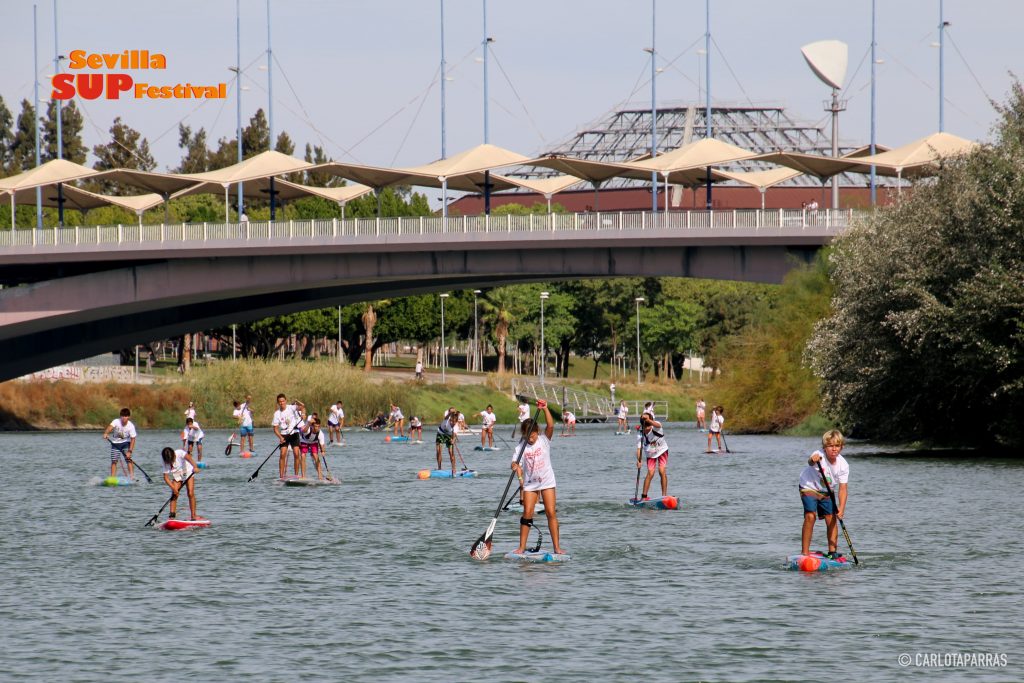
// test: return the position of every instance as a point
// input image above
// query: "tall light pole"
(476, 332)
(444, 351)
(639, 300)
(874, 64)
(543, 297)
(654, 106)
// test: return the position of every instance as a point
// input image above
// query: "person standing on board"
(446, 437)
(191, 410)
(648, 410)
(715, 428)
(286, 429)
(121, 434)
(701, 406)
(652, 443)
(623, 416)
(335, 421)
(570, 422)
(524, 412)
(179, 467)
(536, 477)
(487, 428)
(312, 441)
(192, 436)
(814, 494)
(245, 428)
(416, 429)
(397, 419)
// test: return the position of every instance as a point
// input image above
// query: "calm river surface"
(371, 580)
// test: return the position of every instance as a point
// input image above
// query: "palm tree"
(501, 307)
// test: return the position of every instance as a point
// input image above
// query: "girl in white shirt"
(179, 468)
(536, 476)
(715, 428)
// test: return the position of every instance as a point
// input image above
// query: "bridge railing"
(782, 220)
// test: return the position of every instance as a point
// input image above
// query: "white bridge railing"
(777, 221)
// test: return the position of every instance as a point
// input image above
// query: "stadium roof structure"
(625, 135)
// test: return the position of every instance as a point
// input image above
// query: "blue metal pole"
(270, 87)
(874, 64)
(56, 70)
(444, 75)
(35, 67)
(707, 89)
(654, 107)
(238, 92)
(942, 79)
(487, 135)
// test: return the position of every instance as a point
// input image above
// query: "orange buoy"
(387, 439)
(810, 563)
(246, 454)
(671, 502)
(423, 474)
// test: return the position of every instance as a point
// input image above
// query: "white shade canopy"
(50, 173)
(920, 157)
(264, 165)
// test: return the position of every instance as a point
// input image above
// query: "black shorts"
(291, 439)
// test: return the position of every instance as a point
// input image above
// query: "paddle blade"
(153, 519)
(227, 449)
(481, 550)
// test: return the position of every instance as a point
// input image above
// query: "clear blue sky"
(360, 69)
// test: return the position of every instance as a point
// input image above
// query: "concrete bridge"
(74, 292)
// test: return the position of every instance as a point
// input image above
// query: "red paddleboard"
(179, 524)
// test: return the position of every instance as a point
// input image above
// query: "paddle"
(152, 520)
(231, 444)
(149, 480)
(512, 498)
(724, 442)
(636, 491)
(481, 549)
(255, 474)
(458, 452)
(835, 511)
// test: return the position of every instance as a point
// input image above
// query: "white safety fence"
(773, 221)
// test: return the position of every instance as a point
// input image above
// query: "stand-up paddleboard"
(621, 433)
(417, 441)
(816, 562)
(117, 481)
(179, 524)
(663, 503)
(538, 556)
(467, 432)
(302, 481)
(395, 439)
(486, 448)
(445, 474)
(203, 465)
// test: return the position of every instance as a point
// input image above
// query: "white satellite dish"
(827, 59)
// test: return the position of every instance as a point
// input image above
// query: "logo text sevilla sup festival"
(83, 82)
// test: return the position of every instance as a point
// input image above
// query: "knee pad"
(523, 521)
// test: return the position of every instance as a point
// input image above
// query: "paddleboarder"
(622, 413)
(286, 429)
(570, 422)
(335, 421)
(415, 429)
(651, 441)
(814, 493)
(245, 427)
(715, 428)
(701, 406)
(524, 412)
(121, 434)
(446, 437)
(487, 428)
(179, 467)
(537, 477)
(312, 442)
(192, 436)
(397, 419)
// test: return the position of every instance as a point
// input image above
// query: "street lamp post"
(543, 297)
(639, 300)
(476, 333)
(444, 351)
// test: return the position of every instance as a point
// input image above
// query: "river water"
(371, 580)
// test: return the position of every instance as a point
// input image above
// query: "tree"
(124, 150)
(23, 140)
(928, 311)
(6, 139)
(255, 136)
(502, 306)
(72, 147)
(197, 154)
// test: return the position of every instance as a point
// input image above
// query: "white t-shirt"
(419, 367)
(396, 415)
(122, 433)
(181, 468)
(237, 414)
(190, 412)
(623, 411)
(286, 421)
(415, 422)
(700, 407)
(717, 421)
(810, 477)
(569, 418)
(654, 443)
(246, 414)
(489, 418)
(317, 438)
(193, 433)
(524, 412)
(335, 415)
(537, 472)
